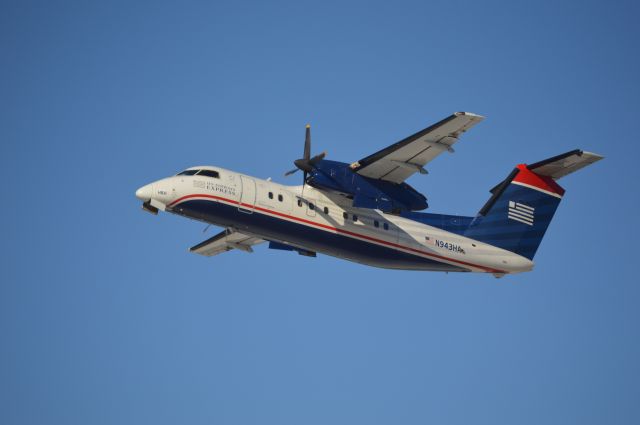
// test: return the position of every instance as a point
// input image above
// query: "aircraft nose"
(144, 193)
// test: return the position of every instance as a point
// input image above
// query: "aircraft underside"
(307, 237)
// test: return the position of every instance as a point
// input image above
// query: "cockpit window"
(209, 173)
(187, 173)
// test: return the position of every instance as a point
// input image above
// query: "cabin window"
(299, 202)
(188, 173)
(376, 223)
(270, 195)
(311, 206)
(280, 198)
(209, 173)
(386, 226)
(345, 215)
(326, 210)
(355, 218)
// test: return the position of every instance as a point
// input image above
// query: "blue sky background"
(105, 318)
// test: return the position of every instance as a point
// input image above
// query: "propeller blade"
(318, 157)
(288, 173)
(307, 143)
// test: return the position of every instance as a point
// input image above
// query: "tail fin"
(521, 207)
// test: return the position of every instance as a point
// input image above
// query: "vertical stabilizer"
(521, 207)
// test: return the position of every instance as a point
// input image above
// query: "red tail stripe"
(530, 178)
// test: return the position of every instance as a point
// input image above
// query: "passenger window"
(326, 210)
(188, 173)
(209, 173)
(299, 202)
(311, 206)
(345, 215)
(386, 226)
(280, 198)
(270, 195)
(376, 223)
(355, 218)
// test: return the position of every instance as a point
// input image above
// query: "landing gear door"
(248, 195)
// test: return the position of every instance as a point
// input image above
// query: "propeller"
(306, 163)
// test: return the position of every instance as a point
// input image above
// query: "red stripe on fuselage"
(324, 226)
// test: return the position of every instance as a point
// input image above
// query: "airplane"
(365, 212)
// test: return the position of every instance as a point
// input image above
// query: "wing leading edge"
(399, 161)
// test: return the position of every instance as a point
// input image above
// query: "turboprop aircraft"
(365, 211)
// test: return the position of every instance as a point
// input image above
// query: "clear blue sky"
(105, 318)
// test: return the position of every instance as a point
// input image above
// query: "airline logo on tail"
(521, 212)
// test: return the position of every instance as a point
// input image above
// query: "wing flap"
(416, 150)
(564, 164)
(225, 241)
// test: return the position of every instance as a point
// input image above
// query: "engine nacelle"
(367, 193)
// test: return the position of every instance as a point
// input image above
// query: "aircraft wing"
(402, 159)
(561, 165)
(225, 241)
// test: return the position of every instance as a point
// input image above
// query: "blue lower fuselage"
(293, 231)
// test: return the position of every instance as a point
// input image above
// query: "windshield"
(187, 173)
(208, 173)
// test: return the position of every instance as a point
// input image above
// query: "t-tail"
(521, 207)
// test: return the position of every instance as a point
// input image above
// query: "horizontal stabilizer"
(566, 163)
(225, 241)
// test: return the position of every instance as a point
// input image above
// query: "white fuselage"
(319, 221)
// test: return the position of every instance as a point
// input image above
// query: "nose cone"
(144, 193)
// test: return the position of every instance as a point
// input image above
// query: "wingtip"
(470, 114)
(595, 156)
